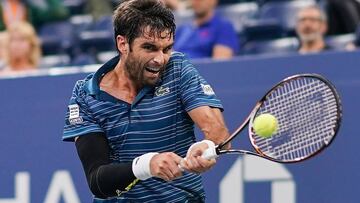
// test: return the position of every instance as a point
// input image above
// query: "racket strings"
(306, 109)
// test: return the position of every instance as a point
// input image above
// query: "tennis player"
(134, 118)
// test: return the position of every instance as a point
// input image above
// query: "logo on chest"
(161, 91)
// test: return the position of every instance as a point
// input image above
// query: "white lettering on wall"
(61, 185)
(255, 169)
(22, 189)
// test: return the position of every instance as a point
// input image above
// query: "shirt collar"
(92, 85)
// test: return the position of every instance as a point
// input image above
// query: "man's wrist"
(141, 166)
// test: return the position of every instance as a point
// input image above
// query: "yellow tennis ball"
(265, 125)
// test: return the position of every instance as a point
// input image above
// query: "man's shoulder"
(81, 85)
(177, 65)
(221, 21)
(178, 60)
(175, 60)
(175, 55)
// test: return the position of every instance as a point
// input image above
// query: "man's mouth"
(153, 70)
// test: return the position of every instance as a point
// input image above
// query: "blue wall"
(32, 116)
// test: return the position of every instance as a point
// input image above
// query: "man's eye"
(149, 48)
(166, 50)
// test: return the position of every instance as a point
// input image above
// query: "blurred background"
(79, 32)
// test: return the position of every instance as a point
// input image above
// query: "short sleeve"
(79, 120)
(195, 91)
(227, 36)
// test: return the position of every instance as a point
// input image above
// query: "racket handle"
(210, 153)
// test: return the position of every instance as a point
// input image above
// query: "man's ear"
(122, 44)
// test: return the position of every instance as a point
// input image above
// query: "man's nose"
(159, 58)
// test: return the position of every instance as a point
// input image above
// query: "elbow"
(96, 192)
(94, 186)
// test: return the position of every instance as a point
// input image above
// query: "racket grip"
(210, 153)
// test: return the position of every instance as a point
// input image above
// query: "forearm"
(216, 130)
(211, 123)
(104, 178)
(109, 180)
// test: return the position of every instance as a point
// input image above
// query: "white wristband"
(141, 166)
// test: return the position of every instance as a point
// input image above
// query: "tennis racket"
(308, 110)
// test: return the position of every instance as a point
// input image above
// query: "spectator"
(12, 11)
(23, 51)
(311, 27)
(37, 12)
(208, 35)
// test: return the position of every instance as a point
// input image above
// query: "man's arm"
(106, 179)
(222, 52)
(226, 43)
(211, 123)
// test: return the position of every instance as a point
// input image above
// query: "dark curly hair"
(132, 17)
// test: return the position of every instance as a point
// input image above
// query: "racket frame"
(248, 121)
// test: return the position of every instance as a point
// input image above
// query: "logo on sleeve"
(207, 89)
(74, 114)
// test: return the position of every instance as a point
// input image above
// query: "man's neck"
(118, 84)
(315, 46)
(21, 64)
(200, 20)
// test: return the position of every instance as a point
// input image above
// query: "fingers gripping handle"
(210, 153)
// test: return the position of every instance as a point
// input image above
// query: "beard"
(138, 71)
(200, 14)
(310, 37)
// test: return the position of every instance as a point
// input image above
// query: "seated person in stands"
(311, 27)
(208, 35)
(22, 49)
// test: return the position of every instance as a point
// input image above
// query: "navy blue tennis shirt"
(156, 121)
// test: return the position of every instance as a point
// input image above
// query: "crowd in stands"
(46, 33)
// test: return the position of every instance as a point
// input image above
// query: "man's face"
(310, 26)
(202, 7)
(147, 58)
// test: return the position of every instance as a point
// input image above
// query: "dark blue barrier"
(37, 167)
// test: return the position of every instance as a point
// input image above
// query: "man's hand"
(194, 162)
(166, 166)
